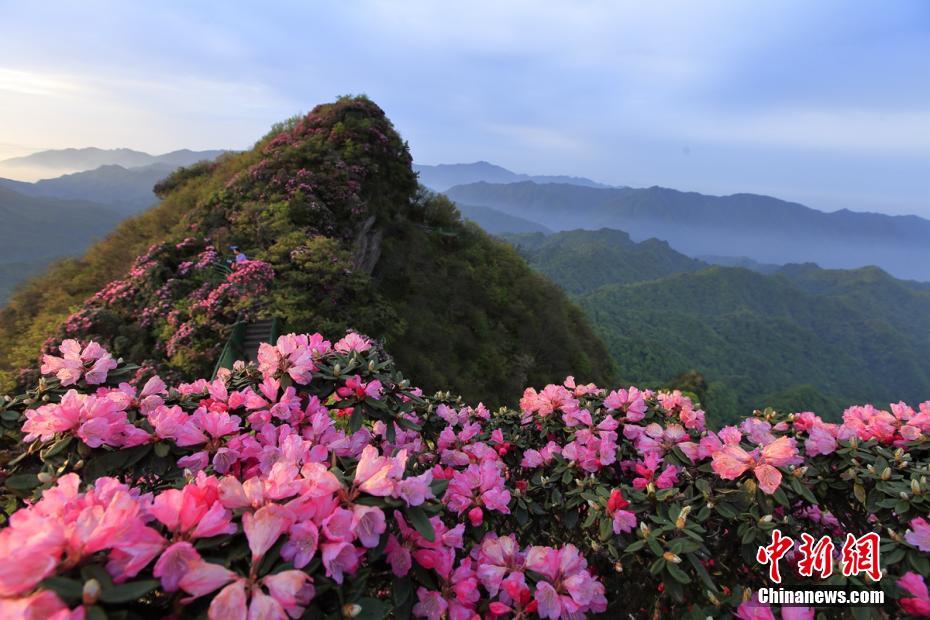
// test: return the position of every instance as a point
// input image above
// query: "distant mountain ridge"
(443, 176)
(55, 162)
(129, 190)
(37, 230)
(762, 228)
(59, 217)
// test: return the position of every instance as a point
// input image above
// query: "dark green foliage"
(583, 260)
(768, 342)
(802, 339)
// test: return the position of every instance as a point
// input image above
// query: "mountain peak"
(338, 235)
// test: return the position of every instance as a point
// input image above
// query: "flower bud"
(91, 592)
(903, 495)
(766, 519)
(671, 557)
(476, 516)
(351, 610)
(682, 517)
(44, 477)
(886, 473)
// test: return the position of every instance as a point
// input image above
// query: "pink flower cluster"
(422, 489)
(91, 362)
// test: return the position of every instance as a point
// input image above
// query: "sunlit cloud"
(37, 84)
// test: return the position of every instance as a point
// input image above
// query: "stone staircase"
(255, 334)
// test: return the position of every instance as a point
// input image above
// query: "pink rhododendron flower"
(175, 562)
(93, 362)
(820, 441)
(918, 604)
(629, 401)
(754, 610)
(353, 342)
(479, 485)
(264, 527)
(919, 534)
(378, 475)
(340, 558)
(291, 355)
(731, 461)
(569, 588)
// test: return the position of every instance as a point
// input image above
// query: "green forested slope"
(802, 338)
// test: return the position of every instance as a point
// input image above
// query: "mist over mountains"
(56, 162)
(61, 216)
(761, 228)
(443, 176)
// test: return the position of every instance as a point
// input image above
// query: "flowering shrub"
(318, 482)
(173, 309)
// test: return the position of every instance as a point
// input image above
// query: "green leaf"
(725, 510)
(98, 572)
(402, 590)
(420, 522)
(919, 562)
(701, 571)
(22, 482)
(606, 528)
(57, 447)
(68, 589)
(802, 490)
(635, 546)
(372, 609)
(114, 462)
(439, 486)
(679, 575)
(162, 449)
(355, 422)
(95, 612)
(128, 592)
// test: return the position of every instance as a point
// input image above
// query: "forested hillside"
(328, 210)
(803, 338)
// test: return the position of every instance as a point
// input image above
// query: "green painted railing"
(234, 349)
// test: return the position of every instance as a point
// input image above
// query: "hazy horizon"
(827, 105)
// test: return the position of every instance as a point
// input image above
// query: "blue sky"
(826, 103)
